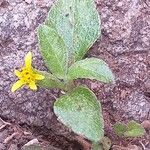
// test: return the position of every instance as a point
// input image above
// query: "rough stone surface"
(13, 147)
(3, 135)
(18, 22)
(2, 146)
(124, 44)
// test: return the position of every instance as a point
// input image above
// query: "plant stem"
(70, 85)
(96, 146)
(50, 81)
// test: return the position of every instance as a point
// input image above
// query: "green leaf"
(92, 68)
(134, 129)
(77, 22)
(81, 111)
(53, 50)
(50, 81)
(120, 129)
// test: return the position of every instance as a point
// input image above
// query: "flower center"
(27, 75)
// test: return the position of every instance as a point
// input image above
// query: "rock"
(3, 135)
(32, 145)
(94, 85)
(133, 147)
(35, 145)
(123, 31)
(147, 84)
(124, 45)
(24, 106)
(2, 146)
(49, 147)
(130, 147)
(13, 147)
(134, 103)
(32, 142)
(43, 3)
(146, 124)
(28, 1)
(1, 1)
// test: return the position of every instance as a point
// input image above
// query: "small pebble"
(147, 84)
(146, 124)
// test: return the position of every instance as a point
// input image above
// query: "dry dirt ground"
(124, 45)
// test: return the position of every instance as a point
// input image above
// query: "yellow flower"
(27, 76)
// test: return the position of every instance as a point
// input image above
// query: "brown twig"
(10, 137)
(6, 123)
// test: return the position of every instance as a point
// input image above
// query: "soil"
(124, 44)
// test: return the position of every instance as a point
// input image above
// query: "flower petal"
(32, 85)
(17, 85)
(17, 73)
(39, 77)
(28, 60)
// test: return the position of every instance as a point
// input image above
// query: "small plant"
(69, 31)
(132, 129)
